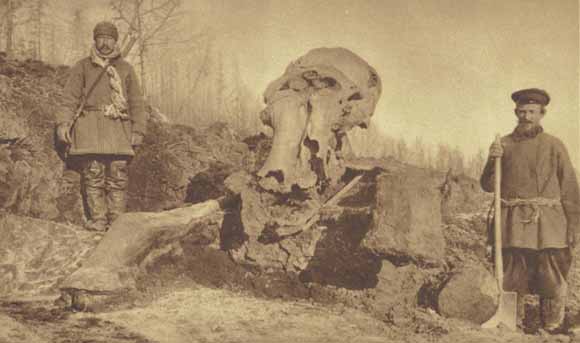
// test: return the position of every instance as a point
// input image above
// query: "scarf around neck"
(118, 106)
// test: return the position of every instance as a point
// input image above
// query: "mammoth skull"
(321, 96)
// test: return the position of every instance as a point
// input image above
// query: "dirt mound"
(31, 181)
(35, 182)
(339, 268)
(179, 164)
(36, 255)
(14, 332)
(329, 262)
(38, 321)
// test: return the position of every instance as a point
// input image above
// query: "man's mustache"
(105, 45)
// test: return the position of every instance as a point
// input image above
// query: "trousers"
(104, 182)
(542, 272)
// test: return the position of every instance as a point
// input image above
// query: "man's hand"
(496, 150)
(63, 133)
(488, 252)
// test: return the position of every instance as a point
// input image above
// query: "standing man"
(540, 209)
(109, 128)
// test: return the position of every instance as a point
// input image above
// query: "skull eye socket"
(373, 80)
(310, 75)
(276, 174)
(355, 96)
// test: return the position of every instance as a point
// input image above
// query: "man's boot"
(117, 181)
(521, 311)
(552, 311)
(94, 186)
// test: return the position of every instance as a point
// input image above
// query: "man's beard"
(527, 130)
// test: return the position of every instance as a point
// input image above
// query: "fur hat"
(106, 28)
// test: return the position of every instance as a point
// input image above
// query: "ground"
(212, 299)
(202, 314)
(208, 298)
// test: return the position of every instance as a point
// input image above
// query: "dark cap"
(106, 28)
(531, 96)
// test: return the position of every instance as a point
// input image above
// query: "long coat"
(537, 167)
(93, 133)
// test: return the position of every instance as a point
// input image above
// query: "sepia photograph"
(232, 171)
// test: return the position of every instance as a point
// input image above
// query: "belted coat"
(536, 168)
(93, 133)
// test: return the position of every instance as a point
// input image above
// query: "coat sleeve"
(569, 192)
(487, 180)
(72, 94)
(136, 102)
(487, 176)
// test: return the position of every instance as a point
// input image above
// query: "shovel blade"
(506, 314)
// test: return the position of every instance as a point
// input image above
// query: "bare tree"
(418, 152)
(476, 164)
(442, 159)
(9, 20)
(37, 19)
(456, 161)
(402, 150)
(429, 163)
(76, 30)
(26, 19)
(148, 23)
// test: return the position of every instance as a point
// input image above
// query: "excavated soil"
(200, 314)
(203, 295)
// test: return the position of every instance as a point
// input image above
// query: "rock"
(12, 127)
(263, 256)
(407, 217)
(36, 255)
(301, 249)
(397, 292)
(12, 331)
(471, 294)
(262, 214)
(136, 240)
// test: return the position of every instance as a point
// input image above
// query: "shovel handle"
(497, 220)
(506, 313)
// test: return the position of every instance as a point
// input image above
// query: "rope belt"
(534, 203)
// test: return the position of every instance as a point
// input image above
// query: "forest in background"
(185, 75)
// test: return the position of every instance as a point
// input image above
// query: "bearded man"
(104, 134)
(540, 209)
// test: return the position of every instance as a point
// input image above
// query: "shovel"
(280, 233)
(507, 310)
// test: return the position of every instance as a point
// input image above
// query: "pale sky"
(448, 67)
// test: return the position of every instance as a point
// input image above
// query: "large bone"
(325, 107)
(112, 266)
(328, 91)
(289, 119)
